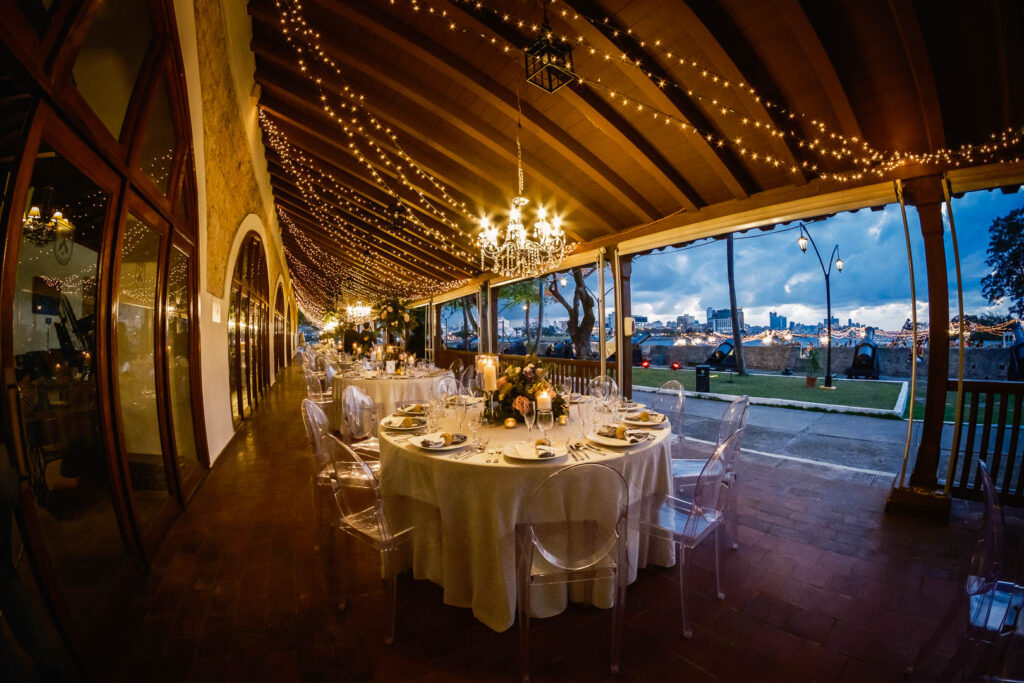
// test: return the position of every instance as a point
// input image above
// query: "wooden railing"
(994, 438)
(574, 374)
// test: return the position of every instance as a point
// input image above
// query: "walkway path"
(824, 586)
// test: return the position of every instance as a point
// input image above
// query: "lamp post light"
(802, 240)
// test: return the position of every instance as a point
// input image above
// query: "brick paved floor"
(825, 586)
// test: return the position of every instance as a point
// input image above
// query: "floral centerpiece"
(521, 384)
(396, 320)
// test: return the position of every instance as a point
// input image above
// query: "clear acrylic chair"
(363, 516)
(315, 421)
(329, 375)
(603, 388)
(669, 400)
(687, 523)
(315, 390)
(362, 417)
(993, 605)
(456, 367)
(446, 387)
(468, 381)
(573, 529)
(685, 471)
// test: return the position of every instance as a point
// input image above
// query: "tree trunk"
(540, 314)
(465, 327)
(737, 335)
(526, 332)
(581, 313)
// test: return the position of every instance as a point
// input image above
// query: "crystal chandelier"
(41, 227)
(521, 255)
(358, 313)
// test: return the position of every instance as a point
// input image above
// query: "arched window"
(279, 342)
(248, 328)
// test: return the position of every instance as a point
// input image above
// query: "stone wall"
(232, 192)
(980, 363)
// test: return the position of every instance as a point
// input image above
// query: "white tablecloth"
(465, 513)
(385, 391)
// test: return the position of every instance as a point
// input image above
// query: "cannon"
(1016, 372)
(723, 357)
(865, 358)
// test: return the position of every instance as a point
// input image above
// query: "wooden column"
(623, 310)
(921, 497)
(492, 318)
(926, 195)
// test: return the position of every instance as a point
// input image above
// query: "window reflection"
(179, 296)
(136, 366)
(53, 337)
(159, 140)
(108, 64)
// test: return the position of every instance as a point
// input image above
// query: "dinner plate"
(469, 400)
(631, 406)
(525, 450)
(615, 443)
(414, 413)
(418, 441)
(650, 425)
(396, 423)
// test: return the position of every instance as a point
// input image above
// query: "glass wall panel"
(159, 140)
(136, 367)
(37, 13)
(108, 64)
(53, 339)
(179, 296)
(243, 352)
(236, 414)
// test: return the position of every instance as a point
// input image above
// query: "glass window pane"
(37, 13)
(159, 140)
(136, 367)
(179, 295)
(15, 106)
(108, 64)
(236, 415)
(243, 353)
(54, 355)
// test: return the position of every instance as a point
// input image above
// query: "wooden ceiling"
(417, 100)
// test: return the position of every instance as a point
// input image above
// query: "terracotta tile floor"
(825, 586)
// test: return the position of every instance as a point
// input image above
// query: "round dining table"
(464, 511)
(385, 390)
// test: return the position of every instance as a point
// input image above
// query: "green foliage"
(1005, 283)
(813, 364)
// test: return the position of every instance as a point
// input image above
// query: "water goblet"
(529, 415)
(545, 420)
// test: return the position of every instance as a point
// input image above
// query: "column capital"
(923, 190)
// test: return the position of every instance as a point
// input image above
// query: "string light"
(829, 145)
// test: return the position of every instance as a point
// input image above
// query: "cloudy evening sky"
(773, 275)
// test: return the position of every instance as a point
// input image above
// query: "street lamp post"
(801, 241)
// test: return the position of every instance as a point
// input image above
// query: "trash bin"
(704, 378)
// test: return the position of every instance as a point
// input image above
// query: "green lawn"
(860, 394)
(950, 413)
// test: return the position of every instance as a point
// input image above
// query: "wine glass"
(460, 410)
(481, 430)
(529, 415)
(545, 420)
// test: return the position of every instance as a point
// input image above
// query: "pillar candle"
(490, 377)
(543, 401)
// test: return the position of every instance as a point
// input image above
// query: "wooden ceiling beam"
(712, 28)
(346, 168)
(820, 63)
(362, 237)
(919, 63)
(480, 131)
(481, 85)
(430, 253)
(294, 121)
(612, 38)
(601, 113)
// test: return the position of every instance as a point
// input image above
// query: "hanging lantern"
(549, 63)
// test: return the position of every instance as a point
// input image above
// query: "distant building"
(776, 321)
(711, 315)
(835, 322)
(687, 323)
(721, 320)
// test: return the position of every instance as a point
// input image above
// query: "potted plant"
(813, 369)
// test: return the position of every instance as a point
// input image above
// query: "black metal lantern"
(549, 63)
